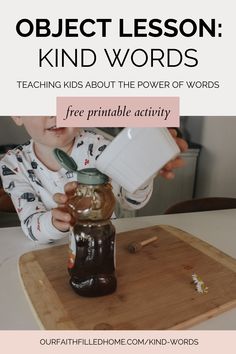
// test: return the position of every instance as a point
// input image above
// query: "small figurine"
(199, 284)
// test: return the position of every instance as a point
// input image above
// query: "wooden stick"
(136, 246)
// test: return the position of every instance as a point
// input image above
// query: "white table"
(216, 227)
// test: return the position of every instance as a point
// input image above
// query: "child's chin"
(57, 131)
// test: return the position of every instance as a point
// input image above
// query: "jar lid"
(91, 176)
(85, 176)
(65, 160)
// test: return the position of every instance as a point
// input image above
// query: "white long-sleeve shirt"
(32, 185)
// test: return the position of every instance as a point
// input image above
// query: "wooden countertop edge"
(204, 317)
(204, 247)
(45, 306)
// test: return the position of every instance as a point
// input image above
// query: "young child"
(35, 181)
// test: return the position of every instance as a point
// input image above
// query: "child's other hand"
(60, 218)
(167, 170)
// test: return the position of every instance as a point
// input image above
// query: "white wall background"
(10, 133)
(217, 163)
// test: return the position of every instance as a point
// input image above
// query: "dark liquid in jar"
(93, 273)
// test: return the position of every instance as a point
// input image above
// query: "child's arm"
(136, 200)
(36, 220)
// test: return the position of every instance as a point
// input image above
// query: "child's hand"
(167, 170)
(60, 218)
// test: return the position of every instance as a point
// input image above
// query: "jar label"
(72, 250)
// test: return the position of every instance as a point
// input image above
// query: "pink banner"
(95, 342)
(117, 111)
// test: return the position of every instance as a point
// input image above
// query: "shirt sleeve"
(36, 220)
(136, 200)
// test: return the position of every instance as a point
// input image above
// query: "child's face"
(43, 131)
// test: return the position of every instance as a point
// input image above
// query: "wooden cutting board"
(155, 289)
